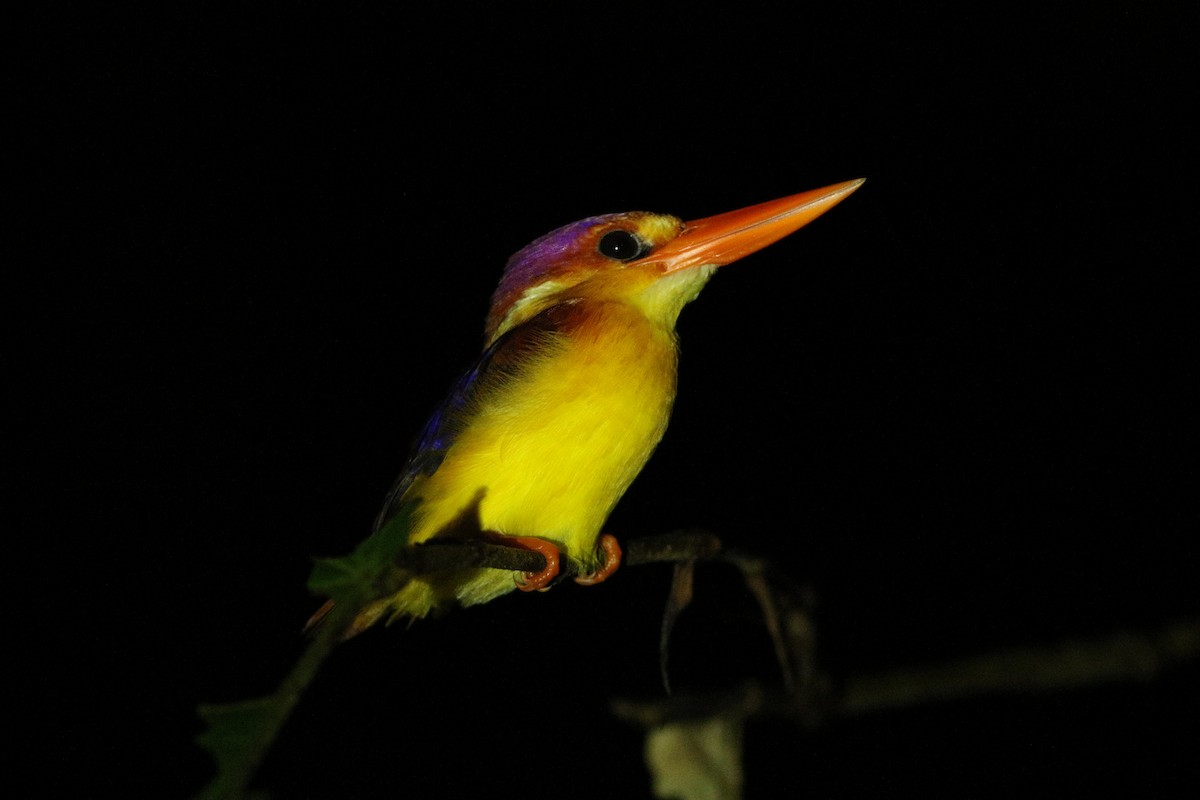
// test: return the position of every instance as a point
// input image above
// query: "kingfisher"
(539, 439)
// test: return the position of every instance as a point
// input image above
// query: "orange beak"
(724, 238)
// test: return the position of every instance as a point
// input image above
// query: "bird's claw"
(538, 581)
(612, 560)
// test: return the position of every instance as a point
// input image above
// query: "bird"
(540, 438)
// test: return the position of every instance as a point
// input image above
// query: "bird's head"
(656, 261)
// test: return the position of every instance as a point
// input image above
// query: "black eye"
(621, 245)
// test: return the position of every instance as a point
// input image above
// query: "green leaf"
(355, 576)
(239, 734)
(236, 739)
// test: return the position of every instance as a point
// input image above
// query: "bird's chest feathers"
(555, 448)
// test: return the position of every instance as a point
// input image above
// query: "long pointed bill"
(724, 238)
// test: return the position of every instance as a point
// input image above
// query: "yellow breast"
(552, 454)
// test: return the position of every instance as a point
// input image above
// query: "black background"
(960, 406)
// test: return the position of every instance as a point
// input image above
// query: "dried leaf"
(697, 760)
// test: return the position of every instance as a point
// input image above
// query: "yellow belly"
(552, 454)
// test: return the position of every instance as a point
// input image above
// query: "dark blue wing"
(498, 366)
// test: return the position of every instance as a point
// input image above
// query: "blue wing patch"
(499, 365)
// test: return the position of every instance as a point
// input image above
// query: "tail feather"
(363, 620)
(317, 617)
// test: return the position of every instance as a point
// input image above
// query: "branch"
(456, 554)
(1071, 664)
(238, 735)
(694, 742)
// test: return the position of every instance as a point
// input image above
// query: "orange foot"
(612, 560)
(539, 581)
